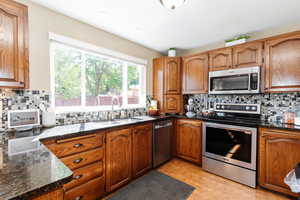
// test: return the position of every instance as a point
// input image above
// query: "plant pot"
(235, 42)
(172, 53)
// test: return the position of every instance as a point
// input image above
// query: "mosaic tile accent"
(33, 99)
(273, 106)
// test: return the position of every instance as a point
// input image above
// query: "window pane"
(67, 76)
(103, 81)
(134, 84)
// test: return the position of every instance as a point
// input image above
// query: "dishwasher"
(162, 136)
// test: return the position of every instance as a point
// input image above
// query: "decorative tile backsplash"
(33, 99)
(272, 105)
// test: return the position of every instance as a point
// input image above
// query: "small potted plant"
(172, 52)
(237, 40)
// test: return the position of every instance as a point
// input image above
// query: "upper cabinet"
(13, 45)
(248, 55)
(167, 75)
(245, 55)
(172, 75)
(195, 74)
(220, 59)
(283, 64)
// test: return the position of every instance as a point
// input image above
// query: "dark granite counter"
(32, 173)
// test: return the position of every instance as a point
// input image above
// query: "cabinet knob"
(77, 145)
(77, 160)
(78, 177)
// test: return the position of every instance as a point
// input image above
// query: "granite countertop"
(32, 173)
(29, 174)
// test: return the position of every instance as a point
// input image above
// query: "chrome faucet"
(114, 98)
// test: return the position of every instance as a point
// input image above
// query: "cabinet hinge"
(263, 60)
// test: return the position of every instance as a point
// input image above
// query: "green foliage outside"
(103, 77)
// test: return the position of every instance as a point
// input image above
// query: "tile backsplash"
(272, 105)
(34, 99)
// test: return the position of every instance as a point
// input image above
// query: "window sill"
(63, 110)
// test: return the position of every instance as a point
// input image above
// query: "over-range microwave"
(235, 81)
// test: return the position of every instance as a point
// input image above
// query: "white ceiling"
(196, 23)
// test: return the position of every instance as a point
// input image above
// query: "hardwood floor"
(212, 187)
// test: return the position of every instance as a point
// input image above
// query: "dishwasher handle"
(163, 125)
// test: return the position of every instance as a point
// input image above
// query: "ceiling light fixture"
(172, 4)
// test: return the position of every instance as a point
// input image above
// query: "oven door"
(236, 145)
(235, 81)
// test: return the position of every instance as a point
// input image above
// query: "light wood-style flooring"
(212, 187)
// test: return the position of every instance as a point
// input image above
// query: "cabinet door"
(195, 74)
(118, 158)
(158, 82)
(279, 153)
(220, 59)
(172, 75)
(189, 140)
(56, 194)
(13, 45)
(283, 64)
(248, 55)
(142, 149)
(173, 104)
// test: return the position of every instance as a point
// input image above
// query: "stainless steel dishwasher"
(162, 136)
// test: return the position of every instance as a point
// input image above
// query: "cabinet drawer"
(84, 158)
(84, 174)
(66, 147)
(88, 191)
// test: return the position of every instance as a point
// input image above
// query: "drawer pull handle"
(78, 198)
(78, 177)
(77, 145)
(77, 160)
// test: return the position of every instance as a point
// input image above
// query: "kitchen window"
(87, 81)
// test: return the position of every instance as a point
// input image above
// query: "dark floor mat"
(154, 186)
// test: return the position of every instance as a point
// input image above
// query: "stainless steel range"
(230, 150)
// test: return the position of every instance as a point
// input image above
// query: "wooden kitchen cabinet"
(195, 74)
(279, 152)
(172, 75)
(56, 194)
(85, 156)
(167, 75)
(118, 158)
(13, 45)
(189, 140)
(248, 55)
(141, 149)
(283, 63)
(220, 59)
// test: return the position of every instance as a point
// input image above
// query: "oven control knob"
(222, 107)
(218, 107)
(253, 108)
(247, 107)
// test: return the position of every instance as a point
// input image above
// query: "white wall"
(254, 36)
(42, 21)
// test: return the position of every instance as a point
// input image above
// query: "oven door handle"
(240, 130)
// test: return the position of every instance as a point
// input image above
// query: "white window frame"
(86, 48)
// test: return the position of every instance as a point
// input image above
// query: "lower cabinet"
(102, 161)
(119, 158)
(141, 149)
(279, 152)
(57, 194)
(189, 140)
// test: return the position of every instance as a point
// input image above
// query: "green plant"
(238, 38)
(172, 49)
